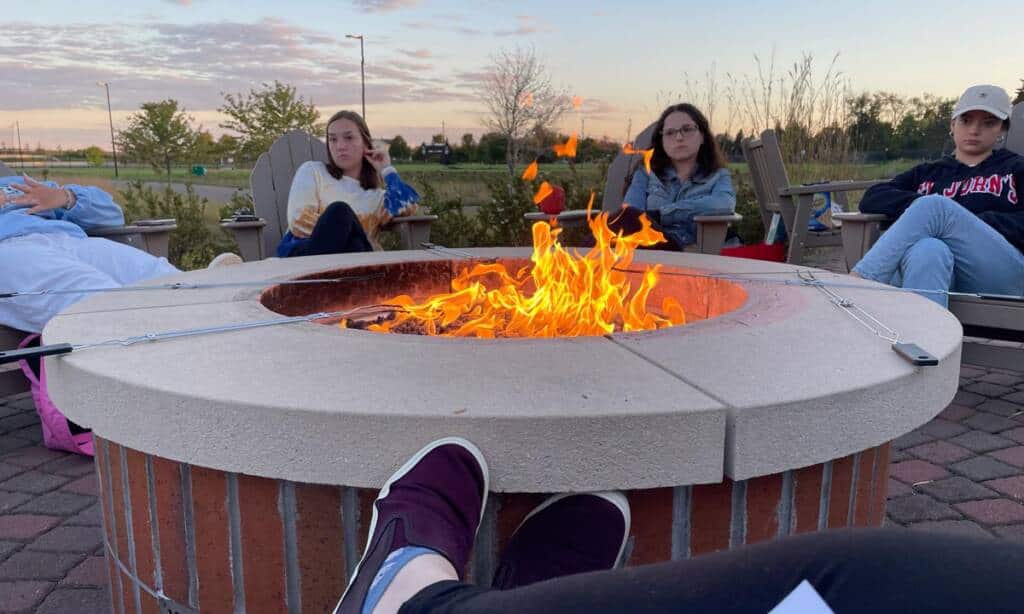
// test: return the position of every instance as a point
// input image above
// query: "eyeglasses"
(683, 131)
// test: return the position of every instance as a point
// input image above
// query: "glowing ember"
(543, 192)
(647, 154)
(531, 172)
(568, 149)
(562, 294)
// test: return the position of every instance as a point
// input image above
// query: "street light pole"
(21, 161)
(110, 116)
(362, 68)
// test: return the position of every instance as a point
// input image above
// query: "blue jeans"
(938, 245)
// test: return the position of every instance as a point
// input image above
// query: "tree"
(94, 156)
(227, 147)
(1020, 93)
(159, 134)
(399, 148)
(520, 97)
(263, 115)
(205, 149)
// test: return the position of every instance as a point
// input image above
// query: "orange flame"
(531, 172)
(577, 102)
(567, 149)
(647, 154)
(543, 192)
(572, 294)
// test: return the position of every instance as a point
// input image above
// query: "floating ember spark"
(543, 192)
(567, 149)
(531, 172)
(647, 154)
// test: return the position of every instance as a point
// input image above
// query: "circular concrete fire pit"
(239, 468)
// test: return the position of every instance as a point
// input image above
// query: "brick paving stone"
(29, 565)
(57, 502)
(72, 465)
(940, 452)
(1003, 379)
(25, 526)
(34, 482)
(984, 468)
(69, 539)
(917, 508)
(980, 441)
(1013, 456)
(989, 423)
(911, 439)
(896, 456)
(33, 457)
(993, 391)
(76, 600)
(956, 527)
(991, 511)
(956, 489)
(913, 471)
(1015, 397)
(943, 429)
(9, 471)
(32, 433)
(23, 402)
(9, 548)
(11, 500)
(889, 523)
(90, 572)
(89, 517)
(898, 489)
(6, 410)
(85, 485)
(1016, 434)
(12, 444)
(971, 372)
(20, 596)
(967, 399)
(956, 413)
(1012, 532)
(18, 421)
(1013, 486)
(1000, 408)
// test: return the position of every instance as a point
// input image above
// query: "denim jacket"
(679, 201)
(93, 207)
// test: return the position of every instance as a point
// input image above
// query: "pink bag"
(56, 431)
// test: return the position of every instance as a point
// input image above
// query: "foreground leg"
(337, 231)
(853, 571)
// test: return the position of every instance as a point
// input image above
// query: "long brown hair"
(709, 156)
(369, 179)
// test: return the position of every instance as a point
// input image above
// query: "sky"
(425, 58)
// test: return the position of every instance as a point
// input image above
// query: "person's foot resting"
(423, 527)
(566, 534)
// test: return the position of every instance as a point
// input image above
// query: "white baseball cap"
(989, 98)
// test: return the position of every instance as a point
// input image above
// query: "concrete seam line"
(786, 504)
(190, 535)
(350, 528)
(129, 527)
(738, 520)
(235, 542)
(826, 492)
(119, 598)
(158, 574)
(855, 477)
(681, 499)
(287, 508)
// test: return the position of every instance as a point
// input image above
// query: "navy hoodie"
(991, 190)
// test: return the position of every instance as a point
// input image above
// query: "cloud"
(179, 2)
(383, 6)
(417, 53)
(528, 24)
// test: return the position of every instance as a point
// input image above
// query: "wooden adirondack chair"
(792, 202)
(271, 180)
(148, 235)
(995, 326)
(711, 229)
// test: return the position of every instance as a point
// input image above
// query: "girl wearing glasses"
(688, 177)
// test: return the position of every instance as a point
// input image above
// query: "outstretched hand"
(41, 197)
(379, 158)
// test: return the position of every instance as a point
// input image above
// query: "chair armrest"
(859, 233)
(860, 217)
(248, 235)
(410, 219)
(565, 219)
(151, 236)
(831, 186)
(711, 231)
(413, 230)
(727, 218)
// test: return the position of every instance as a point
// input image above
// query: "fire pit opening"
(700, 297)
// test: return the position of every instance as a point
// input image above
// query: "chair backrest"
(6, 171)
(767, 173)
(271, 180)
(1015, 138)
(619, 169)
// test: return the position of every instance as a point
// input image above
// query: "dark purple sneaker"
(567, 534)
(435, 500)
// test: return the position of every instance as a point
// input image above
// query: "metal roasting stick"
(66, 348)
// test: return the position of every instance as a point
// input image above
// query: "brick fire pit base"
(198, 539)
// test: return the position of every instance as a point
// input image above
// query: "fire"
(543, 192)
(531, 172)
(647, 154)
(563, 293)
(567, 149)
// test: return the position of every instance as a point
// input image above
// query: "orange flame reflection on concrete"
(531, 172)
(572, 294)
(567, 149)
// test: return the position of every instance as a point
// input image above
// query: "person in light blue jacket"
(688, 177)
(43, 246)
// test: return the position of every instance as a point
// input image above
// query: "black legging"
(337, 231)
(858, 570)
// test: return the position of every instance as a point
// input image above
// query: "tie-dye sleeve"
(399, 197)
